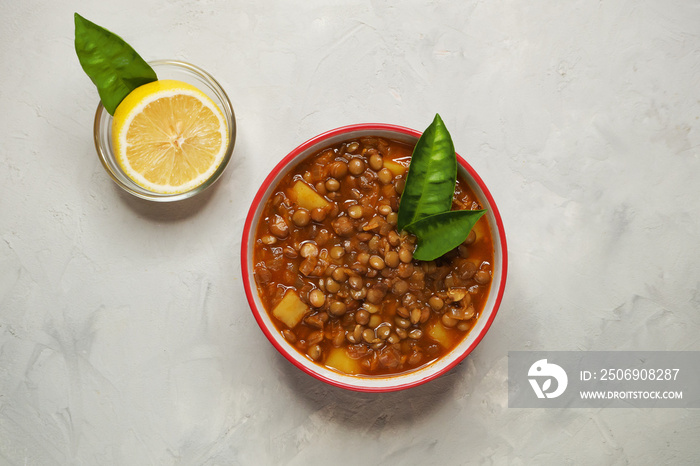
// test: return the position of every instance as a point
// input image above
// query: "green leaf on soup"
(431, 178)
(440, 233)
(112, 65)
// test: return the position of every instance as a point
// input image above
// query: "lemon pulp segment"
(169, 136)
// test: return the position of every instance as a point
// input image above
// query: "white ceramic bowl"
(373, 383)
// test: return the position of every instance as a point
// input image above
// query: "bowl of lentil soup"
(333, 284)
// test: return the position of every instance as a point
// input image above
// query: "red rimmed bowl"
(366, 383)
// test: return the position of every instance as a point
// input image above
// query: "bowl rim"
(246, 258)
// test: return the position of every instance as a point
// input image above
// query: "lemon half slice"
(168, 136)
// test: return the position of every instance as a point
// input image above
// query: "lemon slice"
(168, 136)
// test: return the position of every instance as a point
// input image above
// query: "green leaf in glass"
(112, 65)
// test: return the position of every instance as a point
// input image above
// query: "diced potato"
(396, 168)
(291, 309)
(481, 229)
(304, 196)
(339, 360)
(439, 333)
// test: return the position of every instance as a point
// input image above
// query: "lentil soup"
(339, 281)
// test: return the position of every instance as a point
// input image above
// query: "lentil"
(337, 308)
(376, 262)
(356, 166)
(376, 162)
(384, 209)
(355, 211)
(317, 298)
(385, 176)
(405, 255)
(392, 259)
(383, 332)
(436, 303)
(315, 352)
(318, 215)
(362, 317)
(332, 185)
(482, 277)
(339, 170)
(339, 275)
(301, 217)
(337, 252)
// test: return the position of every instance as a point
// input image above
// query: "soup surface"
(340, 282)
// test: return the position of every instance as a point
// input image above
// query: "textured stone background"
(125, 336)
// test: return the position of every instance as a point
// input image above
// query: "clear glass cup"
(166, 69)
